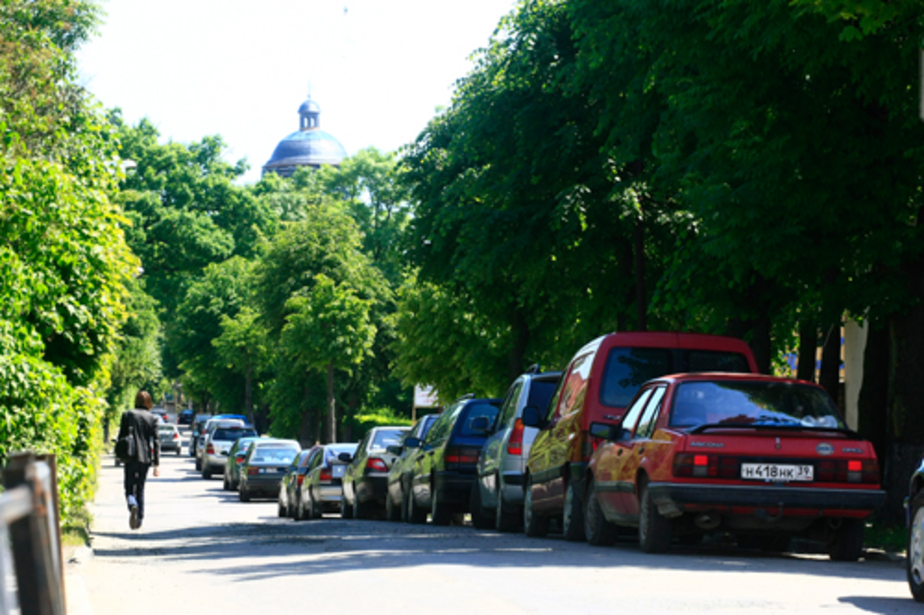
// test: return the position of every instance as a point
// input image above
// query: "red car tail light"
(326, 476)
(300, 479)
(515, 443)
(848, 471)
(253, 471)
(210, 449)
(707, 466)
(376, 465)
(176, 436)
(589, 445)
(462, 455)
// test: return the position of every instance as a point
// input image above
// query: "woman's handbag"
(125, 446)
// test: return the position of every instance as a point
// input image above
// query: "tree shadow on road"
(331, 545)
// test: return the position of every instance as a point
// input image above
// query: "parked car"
(291, 484)
(211, 425)
(196, 430)
(264, 466)
(914, 510)
(322, 489)
(598, 384)
(497, 495)
(444, 462)
(185, 417)
(365, 481)
(161, 414)
(760, 457)
(399, 476)
(170, 440)
(220, 436)
(236, 455)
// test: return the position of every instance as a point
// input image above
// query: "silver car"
(322, 489)
(218, 442)
(170, 440)
(207, 429)
(497, 495)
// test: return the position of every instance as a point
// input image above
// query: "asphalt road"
(202, 551)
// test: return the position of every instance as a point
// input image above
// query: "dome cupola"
(310, 146)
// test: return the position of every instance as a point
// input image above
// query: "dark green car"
(235, 458)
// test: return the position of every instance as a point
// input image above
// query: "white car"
(218, 442)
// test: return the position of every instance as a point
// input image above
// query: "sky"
(379, 69)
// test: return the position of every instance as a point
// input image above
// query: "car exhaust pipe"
(707, 521)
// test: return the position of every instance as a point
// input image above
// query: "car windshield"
(385, 438)
(232, 434)
(274, 454)
(773, 403)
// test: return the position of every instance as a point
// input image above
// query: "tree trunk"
(248, 394)
(829, 374)
(808, 350)
(906, 394)
(331, 406)
(874, 393)
(307, 433)
(641, 298)
(516, 358)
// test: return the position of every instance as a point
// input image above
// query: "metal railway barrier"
(31, 566)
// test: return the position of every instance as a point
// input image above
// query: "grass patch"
(76, 533)
(890, 538)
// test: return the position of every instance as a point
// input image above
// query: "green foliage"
(219, 295)
(63, 258)
(328, 326)
(360, 424)
(138, 355)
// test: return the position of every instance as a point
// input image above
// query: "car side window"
(441, 427)
(362, 444)
(310, 461)
(510, 404)
(646, 425)
(572, 395)
(552, 412)
(635, 410)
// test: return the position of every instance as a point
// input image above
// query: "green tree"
(243, 345)
(221, 293)
(328, 329)
(325, 242)
(63, 258)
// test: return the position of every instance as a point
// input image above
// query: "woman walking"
(141, 426)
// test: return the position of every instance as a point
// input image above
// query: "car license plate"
(777, 472)
(338, 471)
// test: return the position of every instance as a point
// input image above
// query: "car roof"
(735, 376)
(275, 441)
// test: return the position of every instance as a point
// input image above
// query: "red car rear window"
(773, 403)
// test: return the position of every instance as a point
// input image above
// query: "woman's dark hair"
(143, 400)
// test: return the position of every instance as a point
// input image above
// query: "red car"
(761, 457)
(598, 384)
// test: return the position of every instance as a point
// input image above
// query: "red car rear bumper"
(678, 496)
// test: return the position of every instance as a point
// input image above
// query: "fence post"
(34, 539)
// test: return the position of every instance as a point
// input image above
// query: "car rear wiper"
(793, 426)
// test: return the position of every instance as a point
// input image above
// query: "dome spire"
(309, 113)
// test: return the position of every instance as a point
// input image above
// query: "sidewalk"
(75, 560)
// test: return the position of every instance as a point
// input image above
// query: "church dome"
(309, 146)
